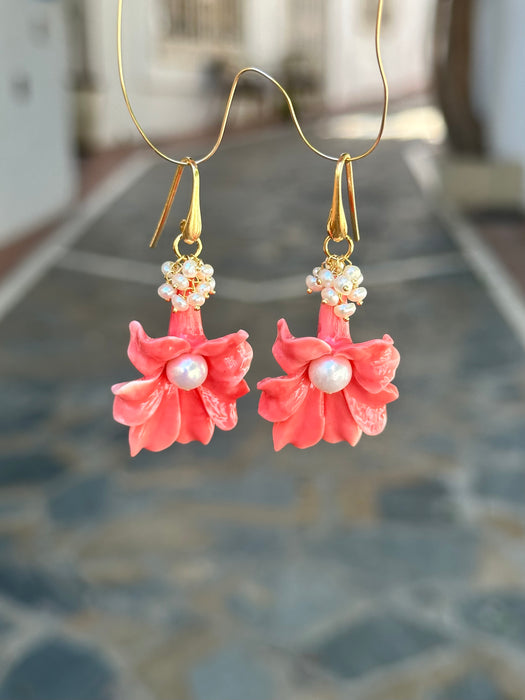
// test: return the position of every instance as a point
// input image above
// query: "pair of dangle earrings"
(333, 389)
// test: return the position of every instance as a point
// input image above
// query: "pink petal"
(149, 355)
(136, 401)
(162, 428)
(340, 426)
(228, 362)
(221, 346)
(293, 354)
(371, 420)
(305, 427)
(281, 396)
(222, 412)
(196, 423)
(387, 395)
(374, 362)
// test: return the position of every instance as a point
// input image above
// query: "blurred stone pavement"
(394, 570)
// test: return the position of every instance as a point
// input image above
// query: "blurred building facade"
(37, 165)
(180, 57)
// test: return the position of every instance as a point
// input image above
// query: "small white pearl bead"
(211, 284)
(166, 291)
(330, 374)
(358, 294)
(330, 296)
(203, 288)
(189, 268)
(196, 300)
(166, 267)
(187, 371)
(352, 271)
(313, 284)
(179, 303)
(343, 285)
(208, 270)
(325, 277)
(316, 271)
(345, 310)
(180, 282)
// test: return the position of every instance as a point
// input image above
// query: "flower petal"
(387, 395)
(305, 427)
(281, 396)
(221, 346)
(293, 354)
(137, 400)
(149, 355)
(222, 412)
(371, 420)
(162, 428)
(227, 364)
(340, 425)
(195, 421)
(374, 362)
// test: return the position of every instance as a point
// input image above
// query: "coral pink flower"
(334, 389)
(190, 384)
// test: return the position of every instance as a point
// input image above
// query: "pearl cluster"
(189, 282)
(339, 285)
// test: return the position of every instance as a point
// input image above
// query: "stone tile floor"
(390, 571)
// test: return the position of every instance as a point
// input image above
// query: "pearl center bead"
(330, 374)
(187, 371)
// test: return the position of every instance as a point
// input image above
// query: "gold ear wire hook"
(267, 77)
(191, 226)
(336, 225)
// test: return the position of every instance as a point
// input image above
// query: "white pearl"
(352, 271)
(345, 310)
(325, 277)
(316, 271)
(207, 270)
(343, 285)
(180, 281)
(211, 284)
(187, 371)
(189, 268)
(313, 284)
(203, 288)
(166, 291)
(330, 374)
(166, 267)
(359, 279)
(179, 303)
(196, 300)
(358, 294)
(329, 296)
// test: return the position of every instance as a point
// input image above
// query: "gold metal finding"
(344, 256)
(167, 207)
(181, 255)
(191, 226)
(232, 93)
(336, 225)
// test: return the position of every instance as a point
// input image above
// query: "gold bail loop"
(191, 226)
(336, 225)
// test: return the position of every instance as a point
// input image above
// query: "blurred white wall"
(497, 79)
(166, 73)
(37, 172)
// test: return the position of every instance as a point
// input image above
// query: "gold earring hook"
(336, 225)
(287, 98)
(191, 226)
